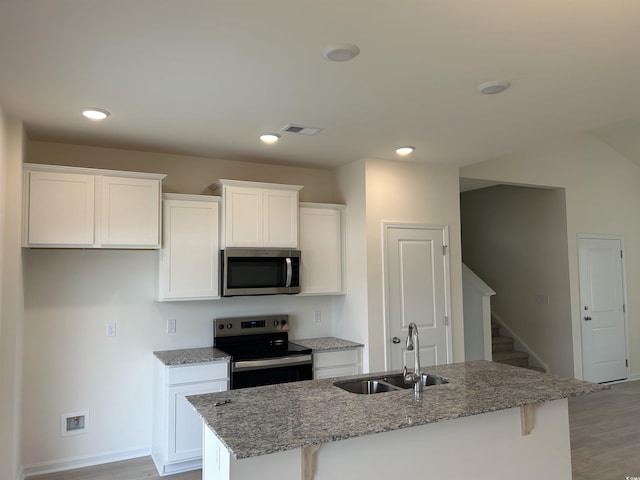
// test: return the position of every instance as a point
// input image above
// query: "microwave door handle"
(289, 272)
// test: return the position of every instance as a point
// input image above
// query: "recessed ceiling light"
(341, 52)
(270, 138)
(95, 113)
(493, 88)
(404, 151)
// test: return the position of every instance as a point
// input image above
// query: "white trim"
(336, 206)
(538, 362)
(191, 197)
(578, 336)
(92, 171)
(80, 462)
(385, 225)
(243, 183)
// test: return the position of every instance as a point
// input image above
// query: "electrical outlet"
(542, 299)
(171, 325)
(110, 330)
(317, 316)
(74, 423)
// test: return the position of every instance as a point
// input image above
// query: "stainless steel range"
(261, 353)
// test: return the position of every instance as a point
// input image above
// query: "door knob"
(587, 319)
(395, 340)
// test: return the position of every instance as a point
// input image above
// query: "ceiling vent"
(290, 128)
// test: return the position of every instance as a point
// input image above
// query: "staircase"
(503, 352)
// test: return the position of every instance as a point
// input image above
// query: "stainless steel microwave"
(248, 271)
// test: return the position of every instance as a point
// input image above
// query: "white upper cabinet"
(69, 207)
(61, 209)
(258, 214)
(322, 248)
(189, 258)
(130, 212)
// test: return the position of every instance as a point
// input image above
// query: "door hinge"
(626, 362)
(446, 321)
(621, 254)
(444, 249)
(624, 308)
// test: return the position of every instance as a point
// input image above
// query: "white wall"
(400, 192)
(70, 296)
(602, 190)
(11, 300)
(515, 238)
(351, 319)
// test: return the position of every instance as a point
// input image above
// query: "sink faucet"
(414, 377)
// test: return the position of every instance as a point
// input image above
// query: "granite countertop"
(327, 344)
(273, 418)
(209, 354)
(191, 355)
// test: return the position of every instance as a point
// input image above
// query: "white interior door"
(604, 341)
(416, 290)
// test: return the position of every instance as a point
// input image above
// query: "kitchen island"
(486, 411)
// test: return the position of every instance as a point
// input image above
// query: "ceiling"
(206, 77)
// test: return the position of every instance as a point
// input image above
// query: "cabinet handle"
(395, 340)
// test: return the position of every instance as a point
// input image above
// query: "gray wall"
(515, 239)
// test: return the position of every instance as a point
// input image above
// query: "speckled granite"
(191, 355)
(274, 418)
(327, 344)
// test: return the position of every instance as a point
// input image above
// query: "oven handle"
(270, 363)
(287, 282)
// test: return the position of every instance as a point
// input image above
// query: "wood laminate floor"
(605, 433)
(136, 469)
(605, 443)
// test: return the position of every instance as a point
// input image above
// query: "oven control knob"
(221, 326)
(229, 326)
(283, 322)
(276, 323)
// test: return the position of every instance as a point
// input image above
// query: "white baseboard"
(80, 462)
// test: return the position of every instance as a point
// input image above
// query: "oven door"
(269, 371)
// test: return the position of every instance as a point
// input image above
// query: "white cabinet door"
(321, 247)
(76, 207)
(130, 212)
(185, 425)
(258, 215)
(243, 217)
(280, 222)
(189, 259)
(60, 209)
(337, 363)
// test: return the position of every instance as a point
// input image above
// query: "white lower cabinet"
(337, 363)
(177, 428)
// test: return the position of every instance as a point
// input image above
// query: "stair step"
(495, 329)
(513, 357)
(501, 344)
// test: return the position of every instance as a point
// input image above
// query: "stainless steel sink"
(365, 386)
(388, 383)
(427, 380)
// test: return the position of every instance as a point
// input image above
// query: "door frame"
(625, 313)
(386, 225)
